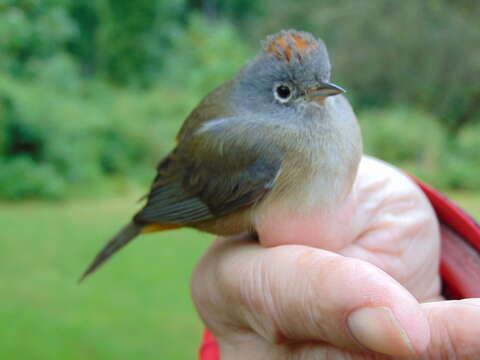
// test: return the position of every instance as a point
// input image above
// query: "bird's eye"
(282, 93)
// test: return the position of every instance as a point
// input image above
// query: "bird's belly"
(297, 217)
(321, 191)
(303, 203)
(319, 187)
(235, 223)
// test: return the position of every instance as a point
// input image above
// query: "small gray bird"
(273, 137)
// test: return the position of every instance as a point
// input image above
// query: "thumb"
(296, 293)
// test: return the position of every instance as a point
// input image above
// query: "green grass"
(136, 307)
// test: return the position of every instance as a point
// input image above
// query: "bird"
(277, 137)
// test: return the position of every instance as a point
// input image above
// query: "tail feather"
(122, 238)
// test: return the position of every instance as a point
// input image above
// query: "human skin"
(360, 283)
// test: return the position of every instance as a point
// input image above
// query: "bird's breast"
(320, 163)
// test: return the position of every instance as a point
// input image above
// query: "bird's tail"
(122, 238)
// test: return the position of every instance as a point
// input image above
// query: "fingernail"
(377, 329)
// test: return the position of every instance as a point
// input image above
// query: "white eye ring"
(282, 93)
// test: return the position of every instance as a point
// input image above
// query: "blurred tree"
(133, 38)
(62, 130)
(198, 47)
(5, 115)
(125, 42)
(238, 11)
(32, 31)
(84, 44)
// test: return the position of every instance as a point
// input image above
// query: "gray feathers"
(122, 238)
(301, 68)
(167, 204)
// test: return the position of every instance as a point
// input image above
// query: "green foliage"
(236, 11)
(205, 55)
(133, 38)
(94, 91)
(456, 172)
(22, 178)
(124, 42)
(398, 136)
(53, 138)
(458, 167)
(32, 31)
(62, 132)
(414, 141)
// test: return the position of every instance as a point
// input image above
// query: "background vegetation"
(93, 91)
(91, 95)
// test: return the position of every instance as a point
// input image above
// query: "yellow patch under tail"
(156, 227)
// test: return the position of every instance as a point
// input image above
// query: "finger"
(300, 294)
(455, 329)
(401, 232)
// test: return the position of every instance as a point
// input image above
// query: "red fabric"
(209, 348)
(460, 260)
(459, 264)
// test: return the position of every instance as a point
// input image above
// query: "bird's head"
(291, 71)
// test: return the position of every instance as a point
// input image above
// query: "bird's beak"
(323, 90)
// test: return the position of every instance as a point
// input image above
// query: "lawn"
(136, 307)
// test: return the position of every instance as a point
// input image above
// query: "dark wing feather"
(168, 203)
(195, 184)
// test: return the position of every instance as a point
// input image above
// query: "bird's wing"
(213, 172)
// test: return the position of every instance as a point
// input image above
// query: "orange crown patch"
(288, 43)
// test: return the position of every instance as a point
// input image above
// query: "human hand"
(350, 286)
